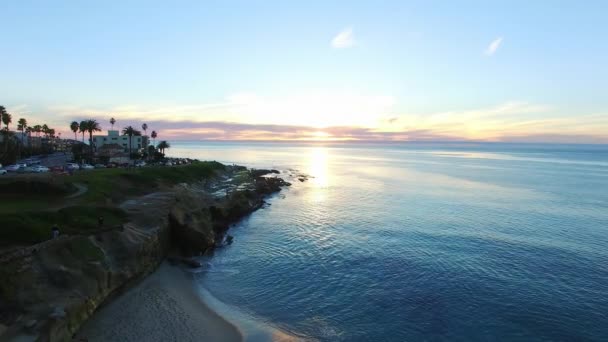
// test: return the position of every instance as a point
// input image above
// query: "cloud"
(344, 39)
(338, 117)
(494, 45)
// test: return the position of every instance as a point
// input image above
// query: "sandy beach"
(163, 307)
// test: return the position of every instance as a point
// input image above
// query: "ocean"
(419, 242)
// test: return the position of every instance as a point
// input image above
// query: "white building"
(137, 141)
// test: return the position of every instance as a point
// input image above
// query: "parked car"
(3, 172)
(87, 167)
(140, 164)
(27, 169)
(57, 168)
(72, 166)
(12, 168)
(100, 166)
(39, 169)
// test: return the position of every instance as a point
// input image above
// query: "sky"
(507, 71)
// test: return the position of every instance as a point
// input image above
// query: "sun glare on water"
(318, 169)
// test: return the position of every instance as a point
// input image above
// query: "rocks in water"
(198, 221)
(229, 239)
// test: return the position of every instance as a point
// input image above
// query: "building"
(138, 142)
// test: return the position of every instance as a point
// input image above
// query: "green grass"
(22, 228)
(26, 214)
(117, 184)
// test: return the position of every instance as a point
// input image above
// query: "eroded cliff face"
(49, 290)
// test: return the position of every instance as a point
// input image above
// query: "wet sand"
(163, 307)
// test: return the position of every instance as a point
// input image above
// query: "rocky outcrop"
(199, 221)
(47, 291)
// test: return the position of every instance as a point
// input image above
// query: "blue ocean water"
(435, 242)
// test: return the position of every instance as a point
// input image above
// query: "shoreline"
(164, 306)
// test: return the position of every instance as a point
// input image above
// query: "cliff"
(50, 289)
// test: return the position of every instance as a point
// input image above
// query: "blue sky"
(316, 69)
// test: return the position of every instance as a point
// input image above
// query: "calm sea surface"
(421, 242)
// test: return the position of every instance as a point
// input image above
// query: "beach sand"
(163, 307)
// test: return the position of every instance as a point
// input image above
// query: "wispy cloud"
(493, 47)
(344, 39)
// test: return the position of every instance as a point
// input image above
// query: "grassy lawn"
(28, 204)
(35, 226)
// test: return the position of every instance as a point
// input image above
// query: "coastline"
(164, 306)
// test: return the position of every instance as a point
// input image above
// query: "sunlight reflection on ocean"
(421, 242)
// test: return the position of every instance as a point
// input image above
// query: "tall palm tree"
(74, 126)
(3, 112)
(37, 129)
(82, 128)
(144, 127)
(22, 125)
(112, 122)
(45, 130)
(162, 146)
(29, 131)
(130, 131)
(91, 126)
(7, 118)
(153, 135)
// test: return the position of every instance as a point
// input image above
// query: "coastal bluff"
(49, 289)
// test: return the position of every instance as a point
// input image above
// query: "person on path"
(54, 232)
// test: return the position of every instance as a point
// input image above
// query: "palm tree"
(91, 126)
(3, 112)
(37, 129)
(82, 128)
(7, 118)
(162, 146)
(145, 128)
(45, 130)
(112, 122)
(74, 126)
(29, 131)
(130, 131)
(22, 125)
(153, 135)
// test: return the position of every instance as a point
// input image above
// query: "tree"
(45, 130)
(37, 129)
(91, 126)
(3, 112)
(74, 126)
(22, 126)
(151, 151)
(144, 127)
(7, 118)
(153, 135)
(162, 146)
(130, 131)
(112, 122)
(82, 128)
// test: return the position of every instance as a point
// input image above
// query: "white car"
(72, 166)
(12, 168)
(3, 172)
(40, 168)
(87, 167)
